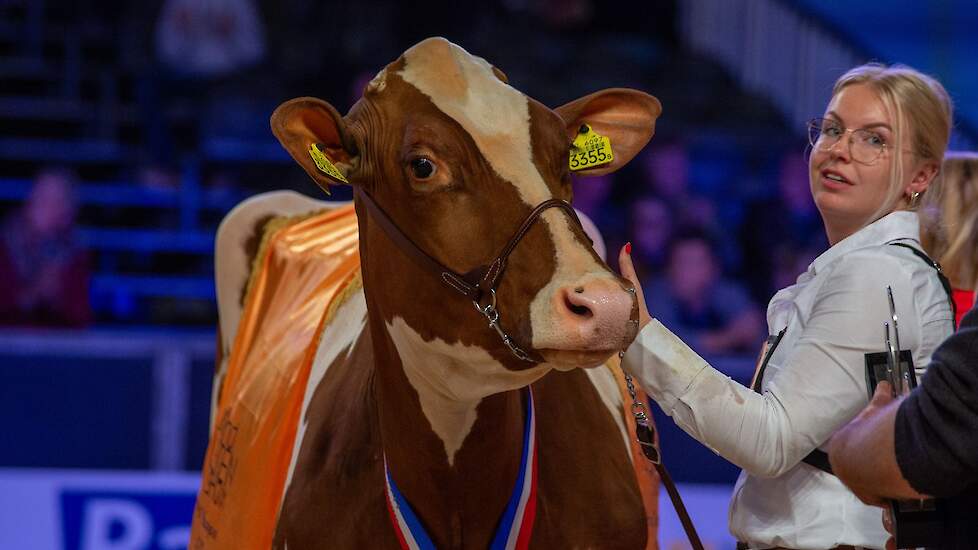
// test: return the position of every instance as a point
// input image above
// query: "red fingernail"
(628, 248)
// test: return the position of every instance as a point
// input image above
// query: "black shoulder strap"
(940, 274)
(818, 458)
(773, 344)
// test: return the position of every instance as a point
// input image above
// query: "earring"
(913, 198)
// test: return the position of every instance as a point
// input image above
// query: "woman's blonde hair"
(919, 104)
(949, 220)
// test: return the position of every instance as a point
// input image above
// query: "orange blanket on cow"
(259, 404)
(317, 259)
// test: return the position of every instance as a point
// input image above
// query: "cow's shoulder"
(337, 456)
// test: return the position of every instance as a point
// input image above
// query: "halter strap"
(479, 283)
(475, 283)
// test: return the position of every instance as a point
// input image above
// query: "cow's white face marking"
(497, 117)
(452, 379)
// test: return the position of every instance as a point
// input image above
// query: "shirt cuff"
(663, 364)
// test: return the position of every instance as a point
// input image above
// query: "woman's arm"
(819, 386)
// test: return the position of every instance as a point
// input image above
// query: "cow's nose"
(596, 314)
(578, 303)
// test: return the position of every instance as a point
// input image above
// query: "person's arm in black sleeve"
(936, 426)
(862, 452)
(921, 445)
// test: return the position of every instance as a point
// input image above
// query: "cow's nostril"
(579, 310)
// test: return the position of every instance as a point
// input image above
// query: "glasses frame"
(815, 126)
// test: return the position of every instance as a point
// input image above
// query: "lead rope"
(646, 440)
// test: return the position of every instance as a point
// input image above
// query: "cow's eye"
(422, 167)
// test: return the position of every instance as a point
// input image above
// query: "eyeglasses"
(865, 146)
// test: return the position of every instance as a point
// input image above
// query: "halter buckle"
(492, 314)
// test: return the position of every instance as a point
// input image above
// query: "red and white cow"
(414, 391)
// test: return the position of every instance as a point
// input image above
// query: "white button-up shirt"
(814, 382)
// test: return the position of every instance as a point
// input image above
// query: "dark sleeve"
(936, 447)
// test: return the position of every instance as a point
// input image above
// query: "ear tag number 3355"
(589, 149)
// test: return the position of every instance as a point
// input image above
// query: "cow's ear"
(626, 117)
(311, 130)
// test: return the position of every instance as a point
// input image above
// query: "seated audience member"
(665, 171)
(651, 227)
(591, 196)
(923, 444)
(782, 234)
(949, 226)
(665, 167)
(44, 273)
(712, 314)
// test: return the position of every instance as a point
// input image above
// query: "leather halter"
(479, 284)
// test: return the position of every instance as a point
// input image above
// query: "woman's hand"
(628, 272)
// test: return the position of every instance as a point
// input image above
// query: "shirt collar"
(894, 226)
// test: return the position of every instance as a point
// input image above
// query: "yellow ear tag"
(324, 164)
(589, 149)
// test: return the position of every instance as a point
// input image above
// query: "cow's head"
(458, 158)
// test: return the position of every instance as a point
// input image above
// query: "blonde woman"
(875, 151)
(949, 226)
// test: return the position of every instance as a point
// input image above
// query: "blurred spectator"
(665, 167)
(158, 177)
(781, 235)
(713, 315)
(209, 38)
(651, 231)
(949, 226)
(594, 196)
(44, 273)
(666, 170)
(591, 197)
(193, 75)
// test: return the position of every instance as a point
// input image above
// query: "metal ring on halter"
(489, 310)
(492, 302)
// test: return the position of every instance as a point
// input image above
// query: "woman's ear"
(315, 134)
(626, 117)
(922, 178)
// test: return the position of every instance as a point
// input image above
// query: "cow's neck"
(453, 441)
(451, 416)
(455, 460)
(451, 381)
